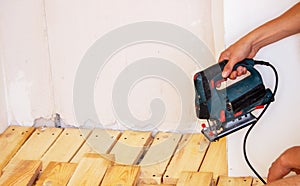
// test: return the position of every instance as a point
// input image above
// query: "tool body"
(229, 109)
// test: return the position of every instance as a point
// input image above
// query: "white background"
(279, 127)
(43, 41)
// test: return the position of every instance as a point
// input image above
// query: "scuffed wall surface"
(44, 42)
(25, 61)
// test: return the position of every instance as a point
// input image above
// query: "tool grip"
(248, 63)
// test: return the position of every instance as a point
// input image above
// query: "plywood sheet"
(234, 181)
(195, 178)
(125, 175)
(90, 170)
(24, 173)
(36, 145)
(216, 159)
(188, 157)
(155, 161)
(100, 141)
(10, 142)
(56, 174)
(130, 146)
(65, 147)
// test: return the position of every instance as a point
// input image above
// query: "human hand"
(288, 161)
(235, 53)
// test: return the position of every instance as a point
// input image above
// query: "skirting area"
(71, 156)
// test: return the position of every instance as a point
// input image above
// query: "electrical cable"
(251, 127)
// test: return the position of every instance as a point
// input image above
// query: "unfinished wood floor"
(55, 156)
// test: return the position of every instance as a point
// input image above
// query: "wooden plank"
(157, 157)
(100, 141)
(156, 185)
(65, 146)
(234, 181)
(36, 145)
(188, 157)
(125, 175)
(24, 173)
(10, 142)
(56, 174)
(130, 146)
(216, 159)
(257, 182)
(195, 178)
(90, 170)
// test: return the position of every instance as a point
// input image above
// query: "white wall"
(25, 62)
(43, 42)
(279, 127)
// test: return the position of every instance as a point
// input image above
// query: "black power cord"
(251, 127)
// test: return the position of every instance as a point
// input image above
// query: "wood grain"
(90, 170)
(216, 159)
(10, 142)
(195, 178)
(257, 182)
(24, 173)
(36, 145)
(65, 147)
(130, 146)
(100, 141)
(157, 157)
(56, 174)
(125, 175)
(236, 181)
(188, 157)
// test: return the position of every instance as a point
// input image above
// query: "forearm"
(283, 26)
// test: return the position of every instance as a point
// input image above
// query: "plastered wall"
(43, 43)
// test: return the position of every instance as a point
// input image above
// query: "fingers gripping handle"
(215, 72)
(248, 63)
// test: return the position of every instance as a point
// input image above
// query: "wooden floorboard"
(24, 173)
(188, 157)
(88, 157)
(56, 174)
(90, 170)
(11, 140)
(41, 140)
(65, 147)
(195, 178)
(100, 141)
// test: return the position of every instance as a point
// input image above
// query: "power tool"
(229, 109)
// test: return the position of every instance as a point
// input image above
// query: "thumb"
(227, 69)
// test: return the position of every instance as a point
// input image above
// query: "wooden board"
(10, 142)
(130, 146)
(100, 141)
(188, 157)
(195, 178)
(157, 157)
(41, 140)
(257, 182)
(216, 159)
(237, 181)
(64, 147)
(24, 173)
(90, 170)
(156, 185)
(56, 174)
(125, 175)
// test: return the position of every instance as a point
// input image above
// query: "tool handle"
(248, 63)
